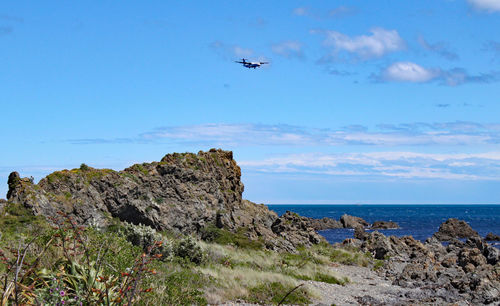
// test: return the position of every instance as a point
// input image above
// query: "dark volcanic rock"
(456, 273)
(454, 228)
(492, 237)
(296, 230)
(181, 193)
(384, 225)
(352, 222)
(324, 223)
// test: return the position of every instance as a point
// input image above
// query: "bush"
(69, 264)
(188, 249)
(84, 167)
(145, 236)
(214, 234)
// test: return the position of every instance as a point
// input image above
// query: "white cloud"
(406, 165)
(413, 134)
(379, 43)
(301, 11)
(486, 5)
(288, 49)
(231, 51)
(409, 72)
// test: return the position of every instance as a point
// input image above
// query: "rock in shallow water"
(454, 228)
(384, 225)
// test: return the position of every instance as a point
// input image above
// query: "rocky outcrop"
(454, 228)
(182, 193)
(296, 229)
(492, 237)
(384, 225)
(352, 222)
(461, 271)
(324, 223)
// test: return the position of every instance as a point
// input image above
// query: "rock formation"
(384, 225)
(352, 222)
(324, 223)
(461, 271)
(492, 237)
(181, 193)
(453, 229)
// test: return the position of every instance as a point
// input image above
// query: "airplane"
(251, 64)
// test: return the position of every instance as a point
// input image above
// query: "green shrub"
(188, 249)
(145, 236)
(211, 233)
(84, 167)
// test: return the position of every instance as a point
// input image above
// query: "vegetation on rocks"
(58, 260)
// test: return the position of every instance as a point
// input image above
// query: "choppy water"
(419, 221)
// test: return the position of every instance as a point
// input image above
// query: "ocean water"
(419, 221)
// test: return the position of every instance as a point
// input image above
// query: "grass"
(214, 234)
(227, 267)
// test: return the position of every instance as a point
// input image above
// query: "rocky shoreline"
(190, 193)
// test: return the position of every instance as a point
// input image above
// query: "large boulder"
(384, 225)
(352, 222)
(492, 237)
(454, 228)
(324, 223)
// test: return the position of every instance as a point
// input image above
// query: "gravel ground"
(365, 288)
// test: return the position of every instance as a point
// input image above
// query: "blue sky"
(363, 101)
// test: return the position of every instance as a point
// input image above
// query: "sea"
(419, 221)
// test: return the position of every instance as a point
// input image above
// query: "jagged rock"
(462, 271)
(359, 233)
(296, 230)
(352, 222)
(454, 228)
(182, 193)
(492, 237)
(491, 253)
(469, 259)
(384, 225)
(324, 223)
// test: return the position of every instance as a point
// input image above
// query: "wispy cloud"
(440, 48)
(373, 165)
(229, 51)
(338, 12)
(379, 43)
(289, 49)
(486, 5)
(231, 135)
(342, 11)
(414, 73)
(302, 11)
